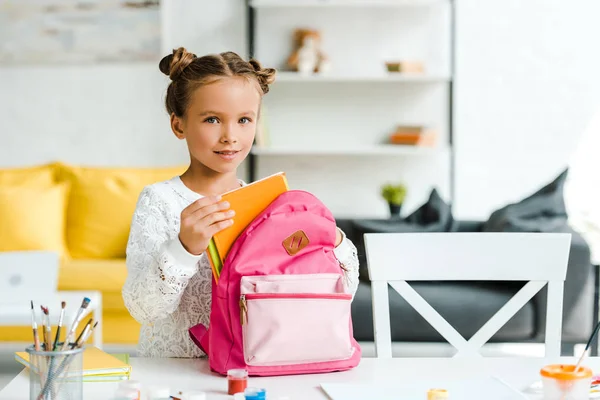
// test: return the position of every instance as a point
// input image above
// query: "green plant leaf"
(394, 194)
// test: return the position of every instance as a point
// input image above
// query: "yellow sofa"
(84, 214)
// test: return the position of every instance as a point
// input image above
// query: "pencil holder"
(55, 375)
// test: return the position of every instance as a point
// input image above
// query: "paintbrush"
(63, 304)
(47, 329)
(587, 346)
(82, 334)
(76, 322)
(87, 335)
(36, 338)
(91, 331)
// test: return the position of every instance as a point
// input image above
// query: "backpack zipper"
(243, 310)
(296, 296)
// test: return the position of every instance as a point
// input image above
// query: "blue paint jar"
(255, 394)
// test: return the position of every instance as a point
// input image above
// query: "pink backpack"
(280, 306)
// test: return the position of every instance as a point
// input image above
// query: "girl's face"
(220, 123)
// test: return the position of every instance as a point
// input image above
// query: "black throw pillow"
(543, 211)
(433, 216)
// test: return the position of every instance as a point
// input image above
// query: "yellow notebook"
(97, 365)
(248, 202)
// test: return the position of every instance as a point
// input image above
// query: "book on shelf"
(98, 366)
(413, 135)
(248, 202)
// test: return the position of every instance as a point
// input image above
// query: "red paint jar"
(237, 381)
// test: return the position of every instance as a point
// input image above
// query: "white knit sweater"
(168, 290)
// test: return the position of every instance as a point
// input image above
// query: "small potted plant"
(394, 195)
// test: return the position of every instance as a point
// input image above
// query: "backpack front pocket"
(295, 328)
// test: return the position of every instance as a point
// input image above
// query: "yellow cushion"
(113, 302)
(33, 218)
(106, 276)
(38, 176)
(101, 205)
(120, 329)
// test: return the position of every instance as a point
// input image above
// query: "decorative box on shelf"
(410, 67)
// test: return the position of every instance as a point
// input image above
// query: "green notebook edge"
(215, 258)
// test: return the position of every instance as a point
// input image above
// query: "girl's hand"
(201, 220)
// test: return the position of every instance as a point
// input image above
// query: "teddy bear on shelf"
(307, 57)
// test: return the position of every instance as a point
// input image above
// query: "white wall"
(108, 114)
(527, 83)
(95, 115)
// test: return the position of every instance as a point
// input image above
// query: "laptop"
(28, 275)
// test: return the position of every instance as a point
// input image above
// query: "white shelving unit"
(340, 3)
(345, 115)
(378, 150)
(389, 77)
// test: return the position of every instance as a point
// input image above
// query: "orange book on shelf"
(248, 202)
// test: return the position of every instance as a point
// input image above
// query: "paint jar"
(562, 382)
(237, 381)
(255, 394)
(132, 386)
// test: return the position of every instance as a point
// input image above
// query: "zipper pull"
(243, 310)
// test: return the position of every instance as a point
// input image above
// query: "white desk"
(182, 374)
(19, 314)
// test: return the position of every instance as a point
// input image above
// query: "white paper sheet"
(489, 388)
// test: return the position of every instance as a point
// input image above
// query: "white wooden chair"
(398, 258)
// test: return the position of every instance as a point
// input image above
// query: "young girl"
(214, 104)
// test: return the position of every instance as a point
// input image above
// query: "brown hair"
(188, 72)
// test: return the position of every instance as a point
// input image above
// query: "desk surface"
(190, 374)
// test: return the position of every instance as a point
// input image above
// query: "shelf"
(286, 76)
(388, 149)
(341, 3)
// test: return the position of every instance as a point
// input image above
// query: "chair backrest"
(397, 258)
(25, 275)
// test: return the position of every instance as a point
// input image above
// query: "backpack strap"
(199, 335)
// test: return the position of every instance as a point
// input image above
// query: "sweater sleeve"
(346, 254)
(158, 266)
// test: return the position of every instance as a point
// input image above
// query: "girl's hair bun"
(173, 65)
(265, 76)
(188, 72)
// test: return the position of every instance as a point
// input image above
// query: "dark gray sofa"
(468, 305)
